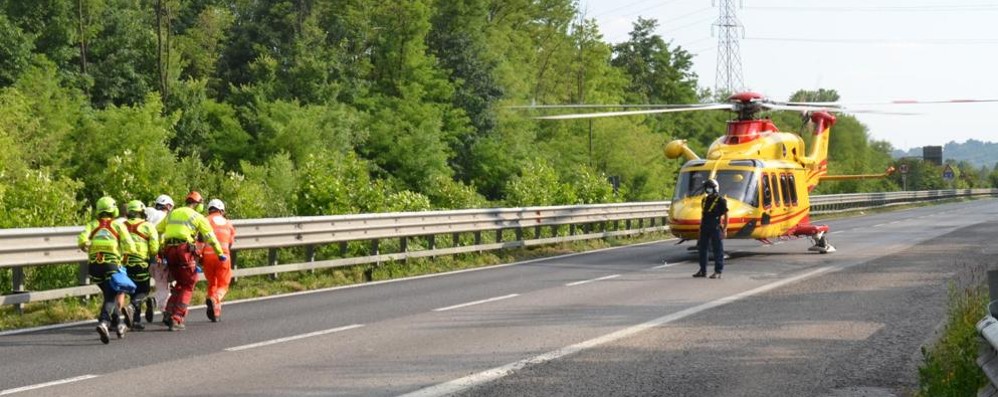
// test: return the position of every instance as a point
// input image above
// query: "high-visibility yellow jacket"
(106, 241)
(146, 240)
(184, 224)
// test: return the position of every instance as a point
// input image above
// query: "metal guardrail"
(988, 358)
(57, 245)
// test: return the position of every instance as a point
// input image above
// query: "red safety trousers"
(182, 267)
(218, 274)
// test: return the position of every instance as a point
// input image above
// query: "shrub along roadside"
(75, 309)
(950, 367)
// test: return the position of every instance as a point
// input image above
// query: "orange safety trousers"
(218, 274)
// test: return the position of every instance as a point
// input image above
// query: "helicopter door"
(792, 185)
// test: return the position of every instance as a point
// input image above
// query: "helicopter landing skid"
(817, 233)
(821, 244)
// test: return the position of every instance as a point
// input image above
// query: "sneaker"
(167, 319)
(105, 337)
(138, 327)
(120, 331)
(211, 309)
(177, 327)
(127, 312)
(700, 274)
(150, 308)
(715, 275)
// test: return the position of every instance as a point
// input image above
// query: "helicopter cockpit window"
(736, 185)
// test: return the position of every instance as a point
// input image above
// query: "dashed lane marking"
(592, 280)
(46, 384)
(291, 338)
(498, 298)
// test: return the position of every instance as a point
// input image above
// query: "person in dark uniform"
(713, 224)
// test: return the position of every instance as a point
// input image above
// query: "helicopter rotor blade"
(718, 106)
(800, 108)
(601, 106)
(889, 103)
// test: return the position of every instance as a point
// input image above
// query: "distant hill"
(976, 152)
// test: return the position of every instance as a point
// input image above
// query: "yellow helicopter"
(765, 174)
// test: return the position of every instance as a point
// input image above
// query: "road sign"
(948, 174)
(904, 168)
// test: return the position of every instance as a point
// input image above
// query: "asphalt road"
(624, 321)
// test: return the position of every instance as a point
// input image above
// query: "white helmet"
(216, 204)
(164, 200)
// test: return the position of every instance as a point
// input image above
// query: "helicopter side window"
(793, 188)
(767, 193)
(774, 182)
(785, 189)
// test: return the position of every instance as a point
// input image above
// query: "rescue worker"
(160, 274)
(217, 272)
(177, 237)
(713, 225)
(105, 242)
(146, 246)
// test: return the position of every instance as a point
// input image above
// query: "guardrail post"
(992, 290)
(310, 256)
(375, 251)
(498, 235)
(537, 231)
(344, 249)
(234, 262)
(272, 261)
(455, 239)
(518, 232)
(404, 245)
(571, 229)
(478, 239)
(18, 281)
(431, 244)
(83, 277)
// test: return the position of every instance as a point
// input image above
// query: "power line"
(687, 15)
(919, 8)
(878, 41)
(629, 5)
(689, 25)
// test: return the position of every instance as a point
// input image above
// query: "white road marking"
(667, 265)
(46, 384)
(879, 225)
(836, 232)
(470, 381)
(291, 338)
(591, 280)
(498, 298)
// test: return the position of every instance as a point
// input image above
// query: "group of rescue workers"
(161, 243)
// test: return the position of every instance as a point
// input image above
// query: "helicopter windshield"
(737, 185)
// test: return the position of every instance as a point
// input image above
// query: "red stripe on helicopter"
(742, 221)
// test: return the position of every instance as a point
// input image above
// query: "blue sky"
(867, 50)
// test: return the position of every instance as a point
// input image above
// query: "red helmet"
(194, 197)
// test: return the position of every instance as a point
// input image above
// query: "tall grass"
(950, 367)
